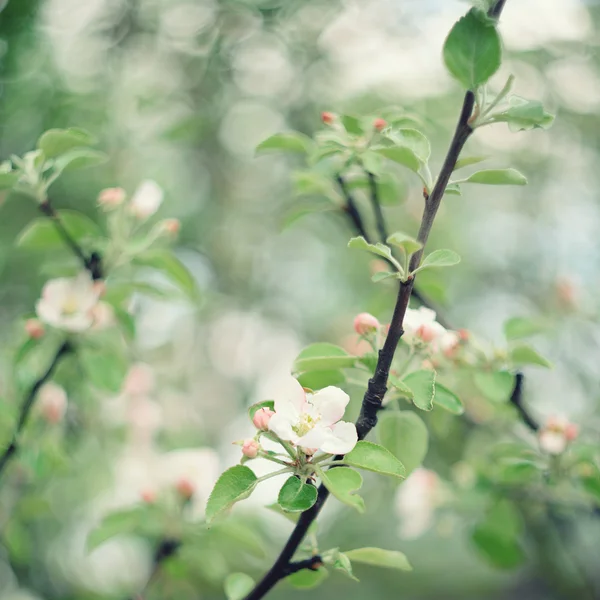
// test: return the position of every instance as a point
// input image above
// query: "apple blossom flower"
(555, 435)
(262, 417)
(250, 448)
(185, 488)
(34, 328)
(379, 124)
(52, 402)
(169, 227)
(415, 503)
(313, 420)
(111, 198)
(146, 200)
(68, 302)
(364, 323)
(420, 324)
(103, 315)
(139, 380)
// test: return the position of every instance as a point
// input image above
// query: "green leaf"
(591, 483)
(468, 161)
(405, 242)
(8, 180)
(55, 142)
(505, 553)
(79, 158)
(413, 140)
(497, 386)
(352, 125)
(270, 404)
(453, 189)
(317, 380)
(524, 115)
(405, 435)
(522, 327)
(497, 177)
(383, 275)
(526, 355)
(238, 586)
(372, 457)
(307, 578)
(343, 482)
(359, 243)
(311, 183)
(323, 357)
(422, 384)
(388, 559)
(296, 496)
(439, 258)
(41, 234)
(344, 564)
(105, 367)
(402, 155)
(235, 484)
(401, 387)
(286, 142)
(472, 51)
(168, 264)
(448, 400)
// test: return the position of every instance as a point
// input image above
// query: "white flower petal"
(146, 199)
(553, 442)
(315, 438)
(290, 399)
(342, 439)
(282, 426)
(330, 403)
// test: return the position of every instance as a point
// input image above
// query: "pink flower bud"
(261, 418)
(250, 448)
(34, 328)
(111, 198)
(464, 335)
(52, 402)
(185, 488)
(379, 124)
(170, 226)
(364, 323)
(571, 432)
(327, 118)
(139, 380)
(148, 496)
(426, 333)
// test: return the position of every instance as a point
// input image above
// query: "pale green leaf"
(238, 586)
(56, 142)
(323, 357)
(402, 155)
(405, 242)
(42, 234)
(439, 258)
(307, 578)
(422, 385)
(343, 483)
(522, 327)
(79, 158)
(378, 557)
(413, 140)
(525, 355)
(496, 385)
(497, 177)
(468, 161)
(448, 400)
(286, 142)
(372, 457)
(235, 484)
(405, 435)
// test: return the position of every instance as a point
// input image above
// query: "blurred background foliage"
(182, 91)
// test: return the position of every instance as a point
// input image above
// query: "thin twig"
(27, 405)
(379, 218)
(351, 208)
(516, 399)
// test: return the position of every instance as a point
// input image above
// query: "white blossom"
(146, 199)
(415, 503)
(312, 421)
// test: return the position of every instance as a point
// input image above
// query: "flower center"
(305, 424)
(70, 306)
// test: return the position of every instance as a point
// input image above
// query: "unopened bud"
(34, 328)
(170, 226)
(380, 124)
(110, 198)
(327, 118)
(571, 432)
(250, 448)
(148, 496)
(185, 488)
(426, 333)
(52, 402)
(261, 418)
(365, 323)
(464, 335)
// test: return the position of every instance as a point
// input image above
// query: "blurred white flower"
(415, 503)
(313, 421)
(146, 199)
(420, 325)
(103, 316)
(52, 402)
(555, 435)
(139, 380)
(68, 302)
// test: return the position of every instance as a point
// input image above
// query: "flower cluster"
(556, 434)
(421, 328)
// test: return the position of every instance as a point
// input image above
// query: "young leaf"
(414, 140)
(105, 367)
(359, 243)
(439, 258)
(235, 484)
(168, 264)
(388, 559)
(401, 387)
(41, 234)
(238, 586)
(497, 385)
(342, 563)
(453, 189)
(402, 155)
(497, 177)
(8, 180)
(292, 141)
(317, 380)
(372, 457)
(79, 158)
(343, 482)
(56, 142)
(405, 242)
(522, 327)
(448, 400)
(502, 552)
(296, 496)
(307, 578)
(524, 115)
(472, 51)
(352, 124)
(468, 160)
(382, 276)
(526, 355)
(405, 435)
(422, 384)
(323, 357)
